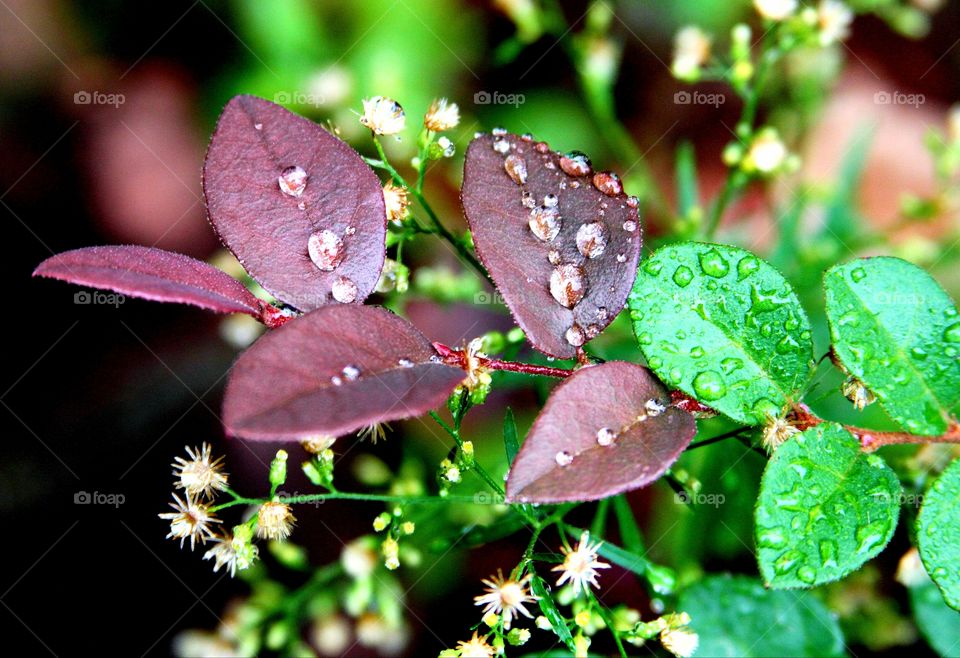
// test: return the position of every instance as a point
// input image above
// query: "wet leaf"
(736, 616)
(562, 252)
(298, 207)
(549, 609)
(155, 274)
(334, 371)
(938, 533)
(896, 330)
(723, 326)
(604, 430)
(825, 508)
(938, 623)
(510, 442)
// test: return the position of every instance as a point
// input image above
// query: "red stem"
(458, 358)
(871, 440)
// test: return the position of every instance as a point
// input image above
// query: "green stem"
(486, 477)
(342, 495)
(438, 227)
(608, 620)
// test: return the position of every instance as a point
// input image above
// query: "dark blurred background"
(105, 110)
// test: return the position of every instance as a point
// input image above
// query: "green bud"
(662, 579)
(518, 636)
(516, 335)
(278, 469)
(278, 635)
(288, 554)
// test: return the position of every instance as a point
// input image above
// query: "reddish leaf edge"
(50, 268)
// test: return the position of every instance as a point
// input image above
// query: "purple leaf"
(298, 207)
(561, 242)
(334, 371)
(607, 429)
(148, 273)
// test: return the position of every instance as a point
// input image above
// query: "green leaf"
(510, 442)
(736, 616)
(723, 326)
(938, 533)
(896, 330)
(938, 622)
(550, 611)
(824, 509)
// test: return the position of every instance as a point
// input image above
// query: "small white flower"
(397, 202)
(775, 432)
(359, 558)
(232, 551)
(506, 597)
(189, 519)
(691, 50)
(834, 18)
(447, 148)
(442, 115)
(476, 647)
(200, 474)
(580, 564)
(317, 443)
(681, 642)
(767, 153)
(383, 115)
(775, 10)
(275, 521)
(854, 390)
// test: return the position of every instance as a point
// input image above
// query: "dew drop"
(293, 181)
(629, 226)
(606, 436)
(952, 333)
(713, 264)
(501, 146)
(527, 137)
(336, 381)
(351, 373)
(567, 285)
(633, 201)
(258, 126)
(747, 266)
(527, 200)
(575, 335)
(653, 267)
(545, 223)
(682, 276)
(550, 201)
(807, 575)
(344, 290)
(516, 169)
(608, 183)
(498, 131)
(542, 147)
(302, 206)
(621, 258)
(591, 239)
(325, 249)
(575, 163)
(858, 274)
(405, 363)
(563, 458)
(554, 257)
(709, 385)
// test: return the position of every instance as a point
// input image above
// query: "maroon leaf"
(604, 430)
(162, 276)
(334, 371)
(298, 207)
(564, 270)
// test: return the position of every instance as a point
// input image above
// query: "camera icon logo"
(82, 98)
(482, 98)
(682, 98)
(82, 498)
(83, 297)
